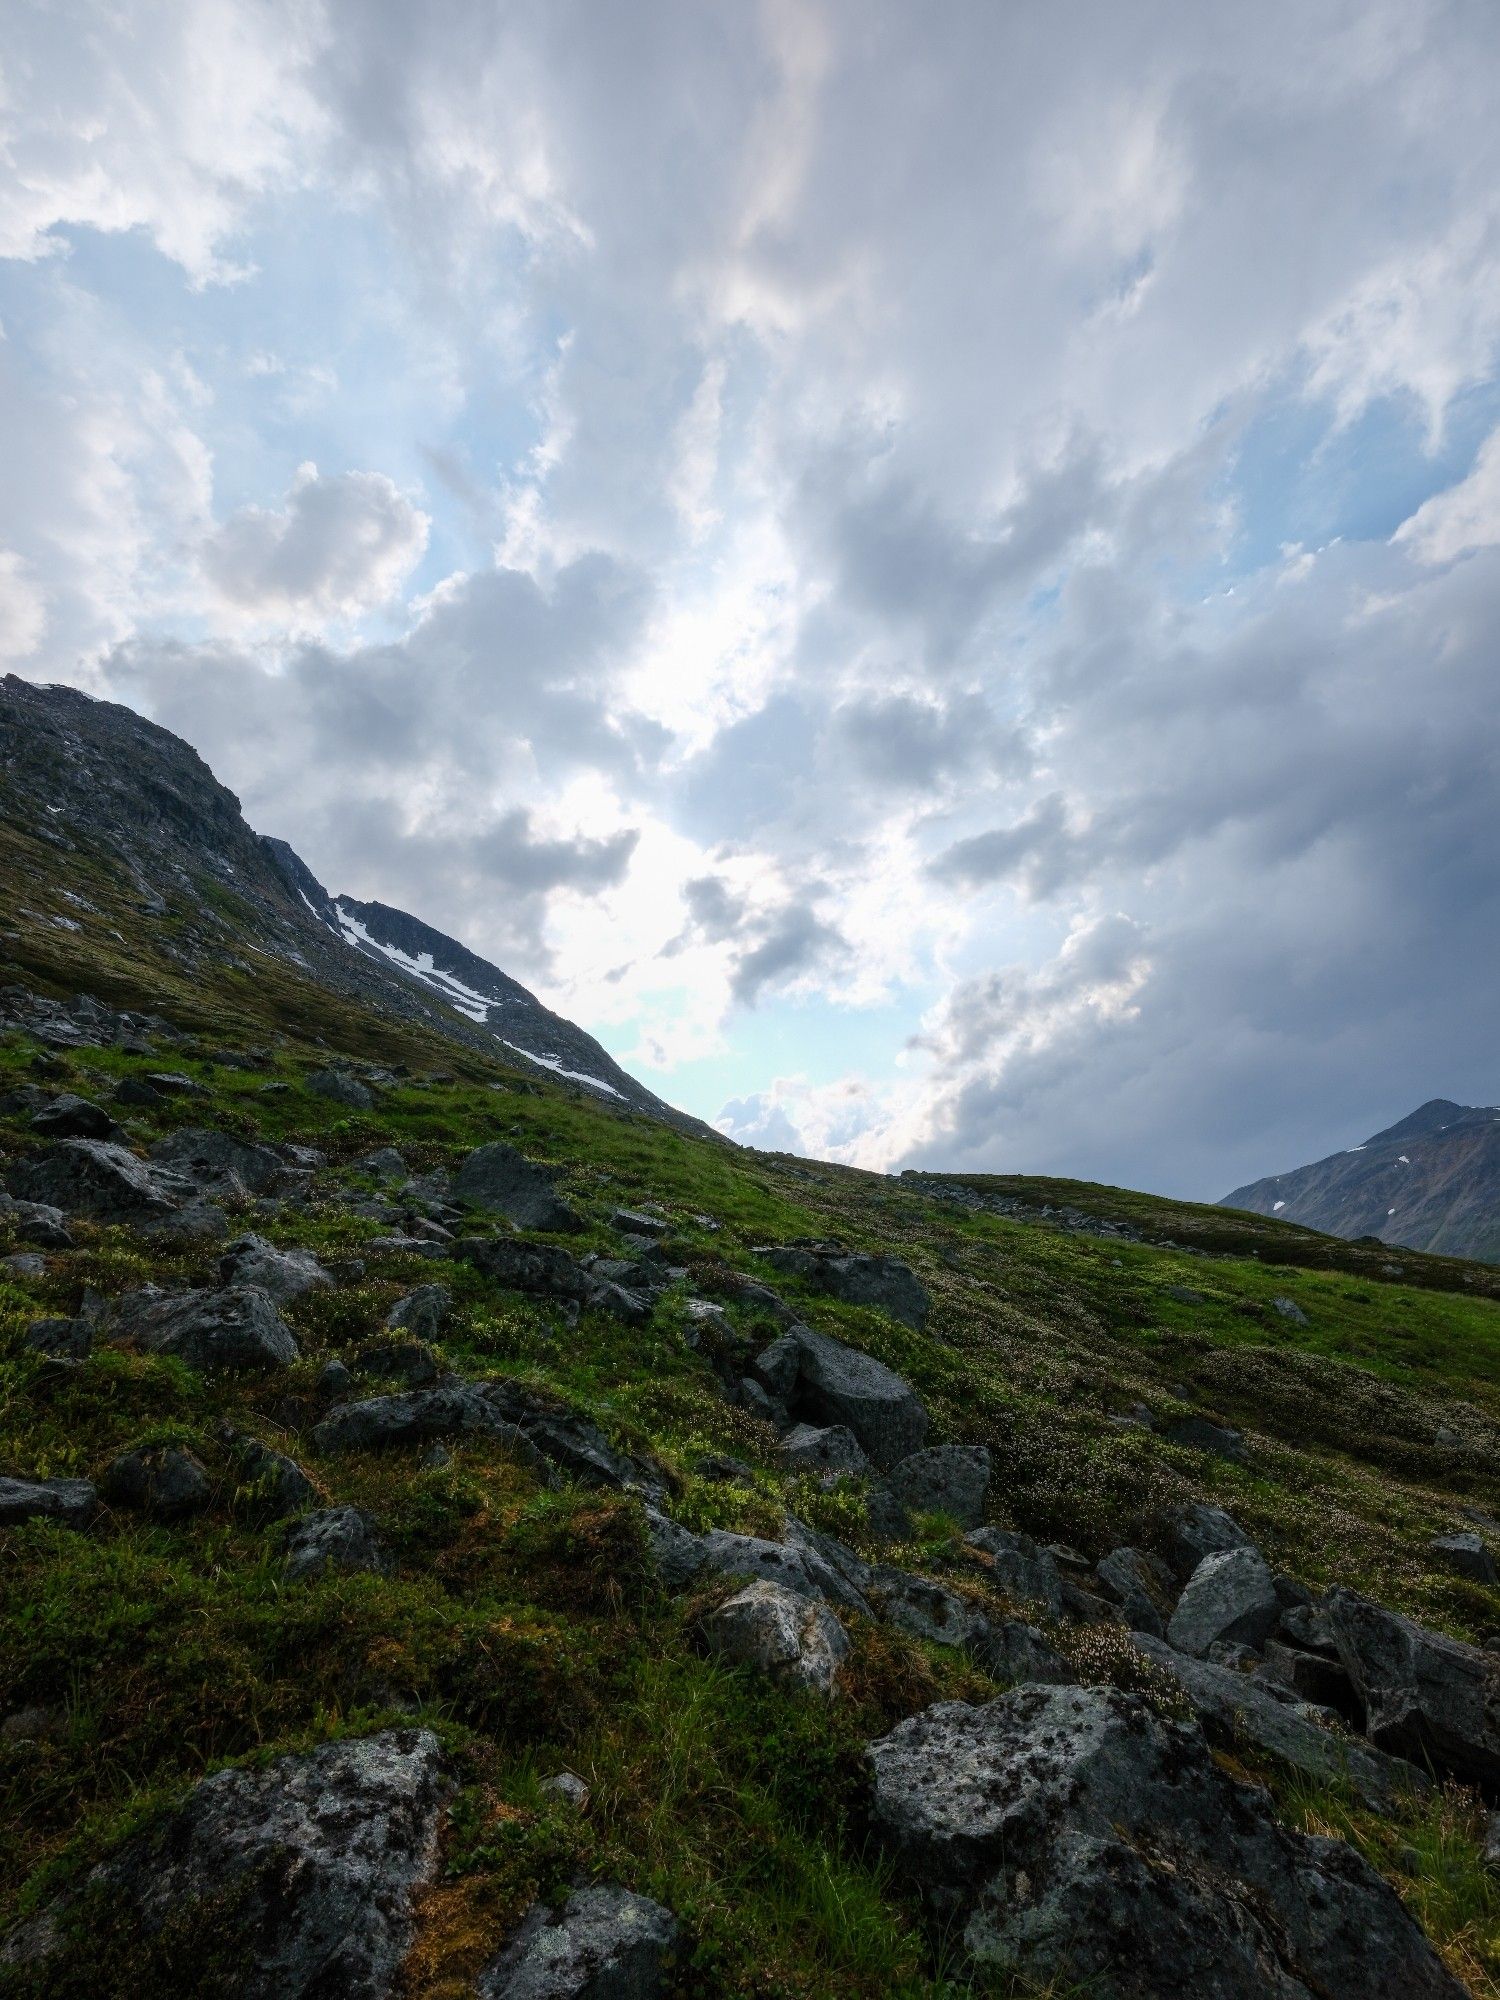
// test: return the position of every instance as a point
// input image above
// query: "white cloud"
(1463, 517)
(340, 545)
(23, 609)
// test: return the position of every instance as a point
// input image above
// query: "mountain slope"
(1430, 1182)
(113, 825)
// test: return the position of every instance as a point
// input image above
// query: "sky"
(929, 574)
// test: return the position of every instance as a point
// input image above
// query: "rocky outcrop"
(311, 1862)
(281, 1274)
(603, 1944)
(951, 1479)
(1425, 1696)
(1230, 1597)
(67, 1116)
(856, 1280)
(782, 1634)
(73, 1502)
(498, 1178)
(336, 1538)
(237, 1328)
(99, 1179)
(547, 1271)
(159, 1480)
(1069, 1835)
(820, 1380)
(217, 1163)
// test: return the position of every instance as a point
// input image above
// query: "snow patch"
(1402, 1161)
(1354, 1149)
(554, 1063)
(1277, 1204)
(423, 966)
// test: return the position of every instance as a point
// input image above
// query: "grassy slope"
(525, 1625)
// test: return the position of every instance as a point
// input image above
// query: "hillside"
(465, 1535)
(1430, 1182)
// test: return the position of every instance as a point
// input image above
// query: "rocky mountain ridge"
(174, 856)
(1429, 1182)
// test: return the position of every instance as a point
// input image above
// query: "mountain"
(465, 1532)
(160, 859)
(1430, 1182)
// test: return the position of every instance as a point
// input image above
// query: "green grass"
(525, 1625)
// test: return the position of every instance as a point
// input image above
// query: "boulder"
(311, 1862)
(143, 1096)
(568, 1787)
(1202, 1434)
(836, 1384)
(160, 1480)
(678, 1554)
(1425, 1696)
(1140, 1586)
(217, 1162)
(1074, 1839)
(1466, 1555)
(269, 1485)
(235, 1328)
(281, 1274)
(829, 1448)
(70, 1117)
(384, 1163)
(1199, 1530)
(422, 1313)
(337, 1538)
(603, 1944)
(339, 1087)
(1021, 1568)
(787, 1636)
(951, 1479)
(548, 1271)
(637, 1222)
(1290, 1310)
(38, 1222)
(1236, 1709)
(1310, 1677)
(1010, 1650)
(172, 1083)
(569, 1442)
(926, 1609)
(73, 1502)
(96, 1178)
(802, 1570)
(409, 1362)
(1229, 1596)
(498, 1178)
(857, 1280)
(419, 1416)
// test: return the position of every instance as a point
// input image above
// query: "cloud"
(793, 941)
(1461, 518)
(23, 609)
(340, 545)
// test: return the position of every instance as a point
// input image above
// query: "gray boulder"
(1140, 1586)
(160, 1480)
(1199, 1530)
(1075, 1839)
(1425, 1696)
(1236, 1709)
(422, 1313)
(312, 1861)
(603, 1944)
(1202, 1434)
(926, 1609)
(217, 1162)
(96, 1178)
(1229, 1597)
(1466, 1555)
(337, 1538)
(677, 1553)
(384, 1163)
(409, 1362)
(269, 1485)
(339, 1087)
(802, 1569)
(420, 1416)
(281, 1274)
(1011, 1650)
(1021, 1568)
(788, 1637)
(237, 1328)
(827, 1448)
(73, 1502)
(173, 1083)
(70, 1117)
(547, 1271)
(38, 1222)
(498, 1178)
(1290, 1310)
(143, 1096)
(836, 1384)
(951, 1479)
(857, 1280)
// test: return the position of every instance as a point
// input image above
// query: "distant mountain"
(1431, 1182)
(113, 815)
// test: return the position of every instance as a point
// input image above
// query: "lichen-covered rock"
(1198, 1530)
(97, 1178)
(339, 1087)
(829, 1382)
(1140, 1586)
(1195, 1433)
(335, 1538)
(856, 1279)
(269, 1485)
(1073, 1837)
(422, 1313)
(310, 1862)
(419, 1416)
(786, 1636)
(1426, 1697)
(160, 1480)
(951, 1479)
(1466, 1555)
(603, 1944)
(823, 1448)
(70, 1117)
(73, 1502)
(1021, 1568)
(548, 1271)
(281, 1274)
(236, 1328)
(498, 1178)
(801, 1569)
(409, 1362)
(1229, 1596)
(677, 1553)
(217, 1162)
